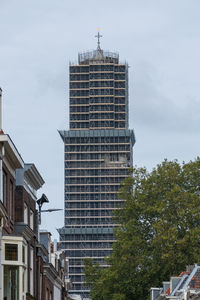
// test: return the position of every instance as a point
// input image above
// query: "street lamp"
(40, 202)
(51, 209)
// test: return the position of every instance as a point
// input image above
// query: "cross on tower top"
(98, 36)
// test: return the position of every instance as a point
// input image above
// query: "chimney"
(55, 245)
(189, 268)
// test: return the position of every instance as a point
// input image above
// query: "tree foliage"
(159, 232)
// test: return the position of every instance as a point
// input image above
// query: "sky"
(160, 40)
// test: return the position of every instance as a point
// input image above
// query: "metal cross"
(98, 36)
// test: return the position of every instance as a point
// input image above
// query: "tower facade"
(98, 155)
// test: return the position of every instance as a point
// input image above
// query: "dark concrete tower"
(98, 154)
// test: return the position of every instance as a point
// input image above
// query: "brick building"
(13, 265)
(26, 273)
(28, 182)
(54, 279)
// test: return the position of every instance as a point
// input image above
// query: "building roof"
(98, 56)
(187, 284)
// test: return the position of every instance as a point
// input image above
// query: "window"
(31, 270)
(40, 286)
(11, 282)
(4, 187)
(11, 252)
(23, 254)
(23, 280)
(31, 219)
(47, 294)
(11, 198)
(25, 214)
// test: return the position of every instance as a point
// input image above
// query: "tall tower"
(98, 155)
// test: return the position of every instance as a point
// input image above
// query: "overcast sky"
(159, 40)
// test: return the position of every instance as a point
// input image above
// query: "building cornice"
(33, 176)
(24, 230)
(11, 152)
(98, 133)
(42, 250)
(51, 273)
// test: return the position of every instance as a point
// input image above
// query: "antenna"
(98, 36)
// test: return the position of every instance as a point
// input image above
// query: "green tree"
(159, 232)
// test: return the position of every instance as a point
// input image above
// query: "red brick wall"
(47, 285)
(21, 197)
